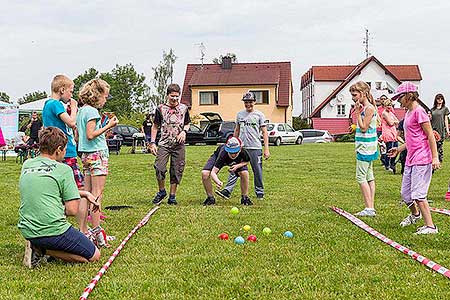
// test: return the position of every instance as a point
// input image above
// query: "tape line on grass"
(105, 267)
(440, 210)
(414, 255)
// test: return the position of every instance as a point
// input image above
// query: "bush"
(346, 138)
(299, 123)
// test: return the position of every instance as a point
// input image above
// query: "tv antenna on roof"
(202, 49)
(366, 43)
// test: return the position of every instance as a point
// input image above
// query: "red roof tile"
(240, 74)
(405, 72)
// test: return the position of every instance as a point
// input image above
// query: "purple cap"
(405, 87)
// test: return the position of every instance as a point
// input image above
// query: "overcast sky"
(42, 38)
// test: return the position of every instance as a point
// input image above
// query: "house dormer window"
(209, 98)
(262, 96)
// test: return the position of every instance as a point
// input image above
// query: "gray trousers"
(256, 163)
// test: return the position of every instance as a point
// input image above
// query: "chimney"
(226, 63)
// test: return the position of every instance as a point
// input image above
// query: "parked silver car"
(316, 136)
(283, 133)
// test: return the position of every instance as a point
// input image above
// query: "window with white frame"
(262, 97)
(209, 98)
(340, 110)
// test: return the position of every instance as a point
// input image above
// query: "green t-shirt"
(86, 114)
(44, 186)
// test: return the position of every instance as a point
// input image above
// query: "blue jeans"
(389, 162)
(71, 241)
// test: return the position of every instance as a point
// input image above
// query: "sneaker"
(366, 213)
(245, 200)
(159, 197)
(224, 194)
(32, 257)
(90, 235)
(447, 196)
(390, 170)
(410, 219)
(172, 200)
(427, 230)
(260, 197)
(100, 237)
(209, 201)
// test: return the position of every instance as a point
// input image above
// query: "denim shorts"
(71, 241)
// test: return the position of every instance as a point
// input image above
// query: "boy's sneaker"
(90, 235)
(32, 256)
(245, 200)
(159, 197)
(172, 200)
(209, 201)
(447, 196)
(410, 219)
(100, 237)
(366, 213)
(224, 194)
(427, 230)
(260, 197)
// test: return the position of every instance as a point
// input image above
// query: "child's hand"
(219, 184)
(153, 149)
(73, 104)
(436, 164)
(392, 152)
(113, 122)
(233, 168)
(94, 201)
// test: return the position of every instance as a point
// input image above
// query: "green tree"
(38, 95)
(218, 60)
(128, 90)
(163, 76)
(4, 97)
(299, 123)
(82, 79)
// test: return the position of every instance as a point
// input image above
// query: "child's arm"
(70, 120)
(214, 177)
(426, 126)
(91, 133)
(237, 166)
(364, 124)
(386, 116)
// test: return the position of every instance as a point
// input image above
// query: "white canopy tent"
(29, 107)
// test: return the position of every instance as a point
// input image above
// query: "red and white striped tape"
(440, 210)
(414, 255)
(105, 267)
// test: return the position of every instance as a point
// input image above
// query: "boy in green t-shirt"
(48, 193)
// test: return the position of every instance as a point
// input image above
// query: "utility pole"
(202, 48)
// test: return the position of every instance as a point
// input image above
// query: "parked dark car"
(217, 130)
(125, 132)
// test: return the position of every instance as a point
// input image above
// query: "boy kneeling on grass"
(48, 193)
(229, 154)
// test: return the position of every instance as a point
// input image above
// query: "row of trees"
(130, 94)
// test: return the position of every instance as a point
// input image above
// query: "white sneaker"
(366, 213)
(427, 230)
(410, 219)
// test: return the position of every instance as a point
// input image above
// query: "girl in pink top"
(421, 159)
(389, 123)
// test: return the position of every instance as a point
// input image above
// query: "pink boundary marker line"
(105, 267)
(440, 210)
(414, 255)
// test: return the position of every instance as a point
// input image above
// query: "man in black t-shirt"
(231, 155)
(147, 128)
(34, 125)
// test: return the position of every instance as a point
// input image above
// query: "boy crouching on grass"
(229, 154)
(48, 193)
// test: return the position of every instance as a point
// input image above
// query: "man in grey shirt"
(249, 125)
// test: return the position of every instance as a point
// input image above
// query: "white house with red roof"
(325, 97)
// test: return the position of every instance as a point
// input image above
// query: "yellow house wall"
(230, 103)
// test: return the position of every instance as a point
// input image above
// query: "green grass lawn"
(177, 255)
